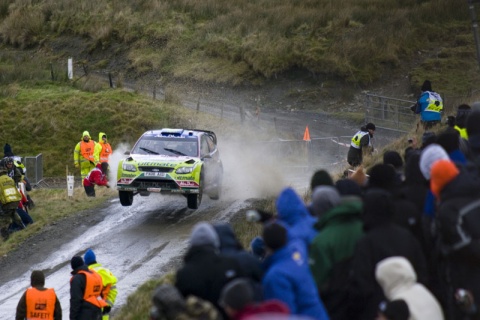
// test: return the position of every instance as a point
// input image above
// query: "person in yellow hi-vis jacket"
(9, 198)
(109, 293)
(103, 149)
(84, 155)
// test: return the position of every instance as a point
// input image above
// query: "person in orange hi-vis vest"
(84, 156)
(103, 149)
(38, 302)
(86, 301)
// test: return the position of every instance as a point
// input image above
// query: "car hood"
(163, 159)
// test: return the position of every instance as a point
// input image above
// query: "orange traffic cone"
(306, 135)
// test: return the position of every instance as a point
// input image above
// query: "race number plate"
(155, 174)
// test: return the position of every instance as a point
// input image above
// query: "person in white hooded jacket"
(399, 281)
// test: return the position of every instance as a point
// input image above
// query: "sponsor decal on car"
(187, 184)
(154, 164)
(125, 181)
(185, 178)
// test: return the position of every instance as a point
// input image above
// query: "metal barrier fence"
(34, 166)
(389, 113)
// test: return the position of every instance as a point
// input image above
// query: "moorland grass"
(238, 42)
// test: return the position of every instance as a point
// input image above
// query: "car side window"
(211, 144)
(204, 149)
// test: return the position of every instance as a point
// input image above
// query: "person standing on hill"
(109, 281)
(84, 155)
(103, 149)
(361, 143)
(429, 105)
(38, 302)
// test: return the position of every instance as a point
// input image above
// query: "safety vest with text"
(8, 190)
(93, 288)
(435, 102)
(40, 303)
(106, 152)
(87, 150)
(357, 138)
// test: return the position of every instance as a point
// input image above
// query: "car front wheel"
(126, 198)
(194, 200)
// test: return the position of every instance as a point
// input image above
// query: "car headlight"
(129, 167)
(183, 170)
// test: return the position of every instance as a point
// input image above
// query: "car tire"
(126, 198)
(194, 200)
(217, 191)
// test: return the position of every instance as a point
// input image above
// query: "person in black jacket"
(250, 265)
(458, 220)
(205, 272)
(382, 239)
(82, 307)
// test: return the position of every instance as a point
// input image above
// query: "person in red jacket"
(97, 176)
(237, 299)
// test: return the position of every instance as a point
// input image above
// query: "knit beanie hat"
(274, 235)
(7, 150)
(429, 156)
(321, 178)
(370, 126)
(324, 198)
(443, 171)
(258, 247)
(37, 278)
(348, 187)
(237, 294)
(76, 262)
(449, 140)
(203, 233)
(382, 176)
(89, 257)
(395, 310)
(168, 301)
(428, 137)
(393, 158)
(427, 86)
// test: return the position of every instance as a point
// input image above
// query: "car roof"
(180, 133)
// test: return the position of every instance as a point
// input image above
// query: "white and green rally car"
(181, 161)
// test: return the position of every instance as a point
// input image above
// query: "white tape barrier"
(340, 143)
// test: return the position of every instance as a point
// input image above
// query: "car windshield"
(154, 145)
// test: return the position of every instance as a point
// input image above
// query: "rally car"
(172, 161)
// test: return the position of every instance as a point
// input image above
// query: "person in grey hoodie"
(399, 281)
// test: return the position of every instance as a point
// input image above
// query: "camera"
(410, 140)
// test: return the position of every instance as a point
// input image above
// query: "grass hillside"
(243, 42)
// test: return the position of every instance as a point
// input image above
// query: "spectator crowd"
(400, 240)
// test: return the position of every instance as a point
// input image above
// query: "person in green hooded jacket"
(340, 226)
(84, 156)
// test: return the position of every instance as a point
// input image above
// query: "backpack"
(467, 226)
